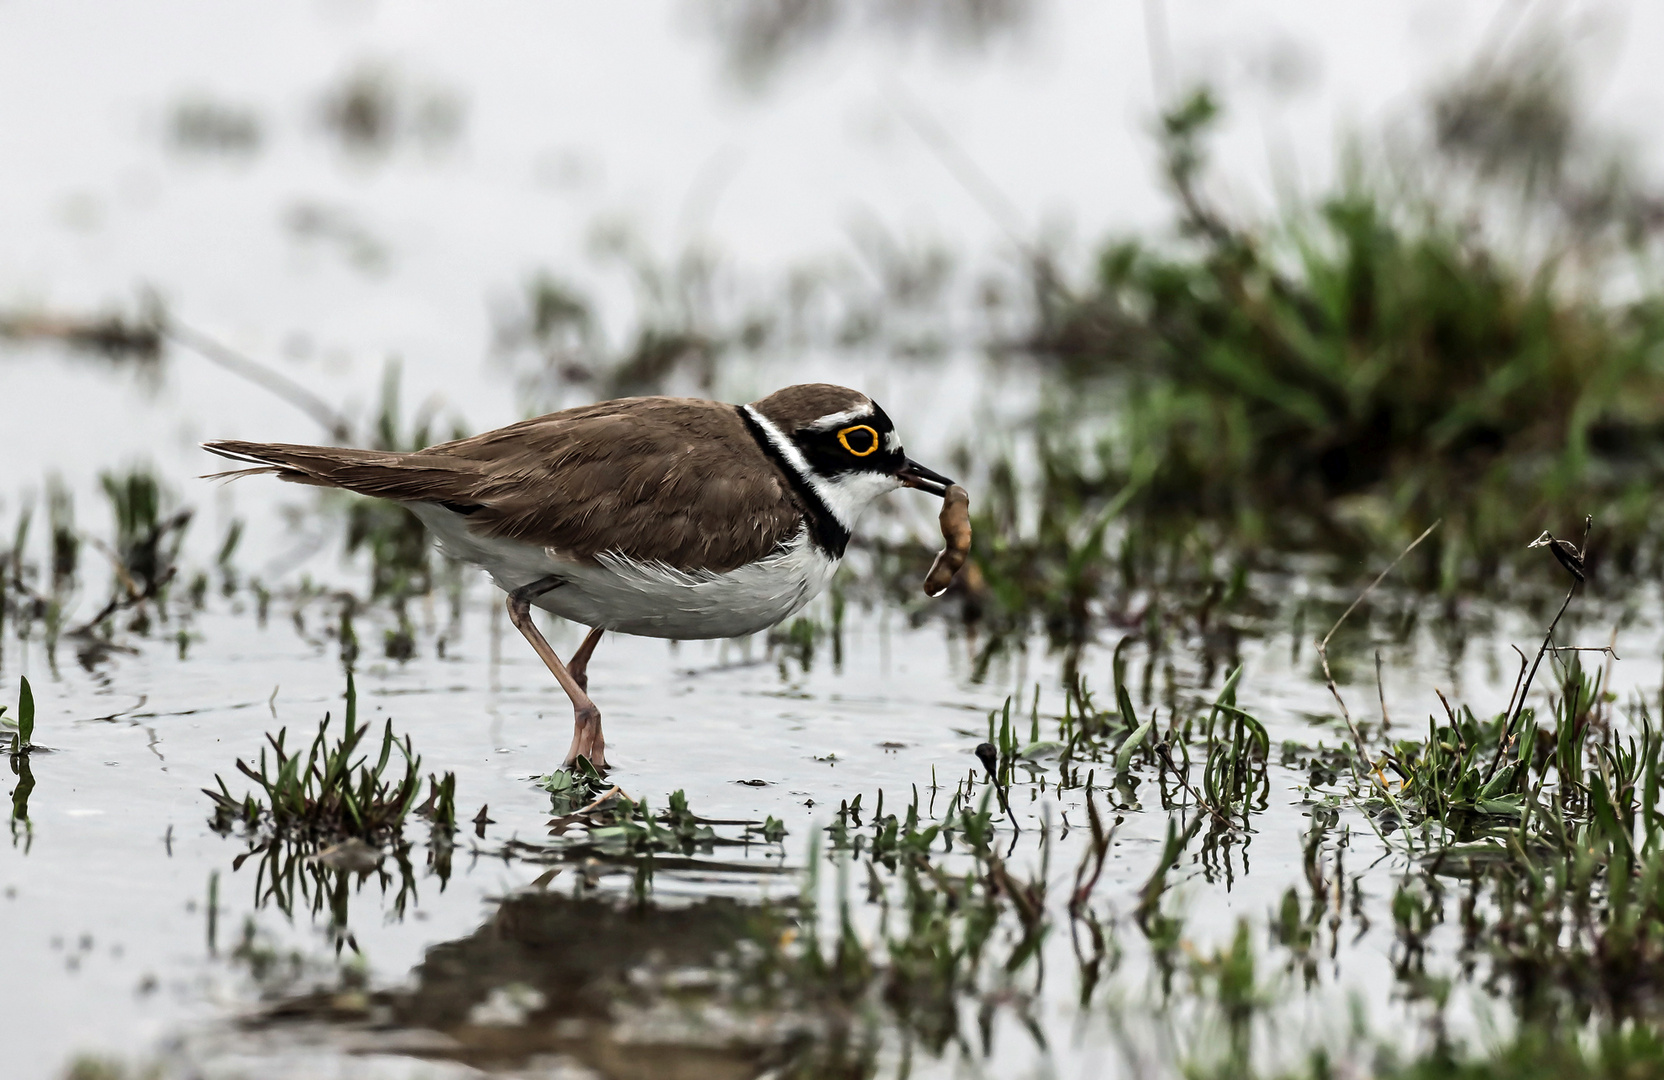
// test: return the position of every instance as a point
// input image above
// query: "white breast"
(650, 599)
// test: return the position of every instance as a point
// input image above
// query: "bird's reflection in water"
(596, 985)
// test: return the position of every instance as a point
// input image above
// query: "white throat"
(846, 495)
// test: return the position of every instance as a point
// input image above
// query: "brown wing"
(675, 480)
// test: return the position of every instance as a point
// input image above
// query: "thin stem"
(1323, 646)
(1519, 706)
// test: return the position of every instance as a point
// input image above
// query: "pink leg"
(586, 718)
(579, 664)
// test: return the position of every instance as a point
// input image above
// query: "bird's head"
(842, 445)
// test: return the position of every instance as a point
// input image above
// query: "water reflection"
(625, 990)
(291, 877)
(21, 827)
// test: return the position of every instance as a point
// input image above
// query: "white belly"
(650, 599)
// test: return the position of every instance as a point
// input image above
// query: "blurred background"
(557, 202)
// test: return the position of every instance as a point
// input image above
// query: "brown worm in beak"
(956, 534)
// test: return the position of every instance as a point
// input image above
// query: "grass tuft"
(331, 794)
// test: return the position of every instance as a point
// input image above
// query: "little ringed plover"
(665, 517)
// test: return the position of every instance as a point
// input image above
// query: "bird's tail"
(418, 477)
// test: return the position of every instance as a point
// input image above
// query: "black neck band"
(827, 532)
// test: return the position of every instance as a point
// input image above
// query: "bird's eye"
(859, 440)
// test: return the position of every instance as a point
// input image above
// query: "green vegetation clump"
(323, 824)
(1561, 832)
(330, 795)
(1334, 382)
(1632, 1052)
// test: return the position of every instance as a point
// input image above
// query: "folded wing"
(670, 480)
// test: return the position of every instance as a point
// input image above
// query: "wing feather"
(669, 480)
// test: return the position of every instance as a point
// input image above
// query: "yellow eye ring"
(872, 447)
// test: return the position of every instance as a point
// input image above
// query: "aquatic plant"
(1534, 1053)
(600, 827)
(571, 789)
(323, 824)
(1369, 349)
(1330, 381)
(145, 549)
(21, 726)
(331, 795)
(22, 729)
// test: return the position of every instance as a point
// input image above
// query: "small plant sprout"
(22, 726)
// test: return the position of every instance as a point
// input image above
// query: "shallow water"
(114, 875)
(106, 892)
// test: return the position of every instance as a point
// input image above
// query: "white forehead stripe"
(892, 442)
(839, 419)
(799, 464)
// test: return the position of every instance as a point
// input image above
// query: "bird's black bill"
(914, 475)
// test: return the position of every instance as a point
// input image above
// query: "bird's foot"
(587, 741)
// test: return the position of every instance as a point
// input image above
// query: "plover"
(665, 517)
